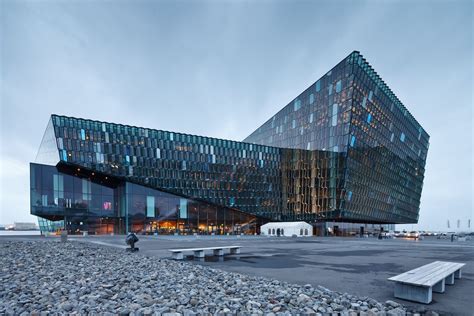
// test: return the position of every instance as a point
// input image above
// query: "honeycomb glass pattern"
(386, 157)
(346, 150)
(228, 173)
(368, 151)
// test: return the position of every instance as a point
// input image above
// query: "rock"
(391, 303)
(66, 306)
(345, 303)
(97, 280)
(302, 298)
(355, 306)
(124, 312)
(396, 312)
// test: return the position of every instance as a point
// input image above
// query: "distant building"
(344, 154)
(24, 226)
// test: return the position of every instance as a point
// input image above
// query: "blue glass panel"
(83, 134)
(338, 86)
(353, 140)
(150, 206)
(402, 137)
(183, 208)
(318, 86)
(369, 118)
(297, 105)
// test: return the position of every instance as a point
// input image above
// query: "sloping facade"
(346, 149)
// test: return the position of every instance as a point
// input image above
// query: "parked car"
(413, 234)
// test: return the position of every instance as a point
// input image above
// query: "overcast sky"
(222, 68)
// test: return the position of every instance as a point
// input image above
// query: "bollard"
(63, 235)
(131, 239)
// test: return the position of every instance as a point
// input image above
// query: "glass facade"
(223, 172)
(47, 226)
(346, 149)
(381, 149)
(98, 204)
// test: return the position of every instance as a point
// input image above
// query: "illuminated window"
(402, 137)
(369, 118)
(107, 206)
(311, 98)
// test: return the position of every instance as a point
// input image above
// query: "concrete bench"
(199, 252)
(418, 284)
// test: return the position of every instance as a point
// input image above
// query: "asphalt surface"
(353, 265)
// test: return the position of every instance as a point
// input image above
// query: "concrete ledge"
(449, 279)
(414, 293)
(439, 287)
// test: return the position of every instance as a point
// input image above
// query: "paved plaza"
(353, 265)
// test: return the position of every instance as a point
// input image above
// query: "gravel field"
(38, 277)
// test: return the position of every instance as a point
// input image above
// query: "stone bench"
(199, 252)
(418, 284)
